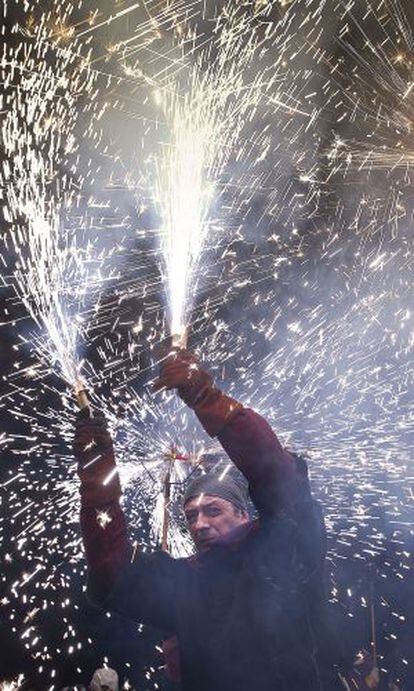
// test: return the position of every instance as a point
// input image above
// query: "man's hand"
(94, 452)
(181, 370)
(90, 432)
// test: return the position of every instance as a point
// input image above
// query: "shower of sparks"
(283, 179)
(51, 272)
(205, 118)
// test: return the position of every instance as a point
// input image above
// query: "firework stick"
(166, 516)
(375, 680)
(371, 573)
(178, 342)
(81, 396)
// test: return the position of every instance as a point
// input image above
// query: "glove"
(94, 453)
(181, 371)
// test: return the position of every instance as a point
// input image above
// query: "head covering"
(105, 676)
(227, 487)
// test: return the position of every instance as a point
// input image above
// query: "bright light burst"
(51, 272)
(205, 114)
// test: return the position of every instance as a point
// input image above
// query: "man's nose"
(201, 523)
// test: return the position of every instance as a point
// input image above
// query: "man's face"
(211, 518)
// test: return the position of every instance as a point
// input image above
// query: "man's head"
(214, 508)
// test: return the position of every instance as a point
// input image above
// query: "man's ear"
(242, 514)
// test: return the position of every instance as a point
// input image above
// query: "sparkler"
(373, 622)
(167, 499)
(172, 458)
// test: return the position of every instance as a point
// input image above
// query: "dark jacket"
(249, 613)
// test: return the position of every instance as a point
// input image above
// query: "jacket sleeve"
(277, 479)
(145, 591)
(142, 591)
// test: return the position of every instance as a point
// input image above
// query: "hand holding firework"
(94, 452)
(181, 371)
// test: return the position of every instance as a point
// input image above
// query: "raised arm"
(276, 479)
(102, 520)
(140, 589)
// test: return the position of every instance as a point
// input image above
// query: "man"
(247, 609)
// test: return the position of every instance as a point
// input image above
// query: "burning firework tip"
(180, 339)
(81, 395)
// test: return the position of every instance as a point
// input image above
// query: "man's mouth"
(205, 541)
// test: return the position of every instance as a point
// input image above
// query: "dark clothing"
(248, 613)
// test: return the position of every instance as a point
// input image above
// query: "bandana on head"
(227, 488)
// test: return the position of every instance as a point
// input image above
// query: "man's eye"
(213, 512)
